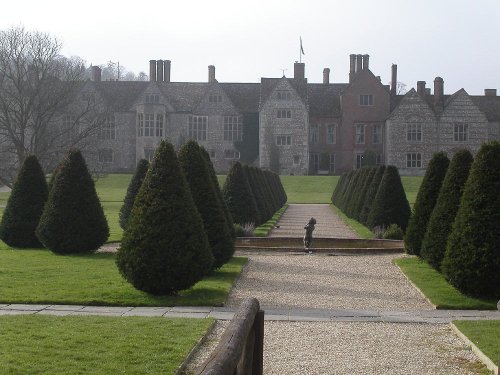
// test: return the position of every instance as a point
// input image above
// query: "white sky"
(458, 40)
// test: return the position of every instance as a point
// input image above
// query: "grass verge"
(435, 287)
(39, 276)
(485, 334)
(264, 229)
(356, 226)
(97, 345)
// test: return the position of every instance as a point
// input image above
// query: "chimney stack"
(211, 73)
(366, 62)
(490, 92)
(326, 76)
(421, 88)
(159, 70)
(438, 92)
(394, 79)
(95, 74)
(352, 67)
(166, 70)
(152, 70)
(359, 63)
(299, 70)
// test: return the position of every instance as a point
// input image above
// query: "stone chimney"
(211, 73)
(421, 88)
(166, 70)
(299, 70)
(152, 70)
(95, 74)
(159, 70)
(326, 76)
(490, 92)
(359, 63)
(438, 93)
(352, 67)
(394, 79)
(366, 62)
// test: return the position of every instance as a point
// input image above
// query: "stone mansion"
(299, 127)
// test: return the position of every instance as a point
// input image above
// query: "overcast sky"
(458, 40)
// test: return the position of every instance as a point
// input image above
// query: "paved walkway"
(328, 224)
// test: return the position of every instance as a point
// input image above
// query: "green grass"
(411, 184)
(437, 289)
(96, 345)
(264, 229)
(485, 334)
(355, 225)
(39, 276)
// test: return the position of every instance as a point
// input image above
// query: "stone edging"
(482, 357)
(416, 287)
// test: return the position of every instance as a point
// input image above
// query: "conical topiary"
(164, 247)
(25, 206)
(132, 190)
(390, 205)
(371, 192)
(472, 259)
(195, 169)
(238, 196)
(445, 210)
(73, 220)
(425, 202)
(254, 191)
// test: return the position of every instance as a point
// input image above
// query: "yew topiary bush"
(25, 206)
(445, 210)
(195, 169)
(132, 190)
(425, 202)
(390, 205)
(371, 192)
(164, 247)
(73, 220)
(472, 259)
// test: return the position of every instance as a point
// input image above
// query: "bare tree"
(39, 111)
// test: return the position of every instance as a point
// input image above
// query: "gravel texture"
(331, 282)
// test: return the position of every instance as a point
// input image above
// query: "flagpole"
(300, 50)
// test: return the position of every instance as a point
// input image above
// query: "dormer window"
(284, 95)
(215, 98)
(152, 98)
(366, 100)
(284, 113)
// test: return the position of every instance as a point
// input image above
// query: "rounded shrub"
(445, 210)
(390, 205)
(238, 196)
(132, 190)
(73, 220)
(204, 195)
(393, 232)
(25, 206)
(425, 202)
(164, 247)
(472, 259)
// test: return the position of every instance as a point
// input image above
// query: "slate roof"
(324, 99)
(245, 96)
(120, 96)
(267, 86)
(490, 105)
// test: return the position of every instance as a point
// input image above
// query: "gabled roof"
(183, 96)
(245, 96)
(120, 96)
(267, 86)
(324, 99)
(489, 105)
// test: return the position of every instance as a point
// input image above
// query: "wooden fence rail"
(241, 348)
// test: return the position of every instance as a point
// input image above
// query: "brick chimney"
(159, 70)
(394, 79)
(166, 70)
(490, 92)
(421, 88)
(299, 70)
(359, 63)
(438, 93)
(366, 62)
(326, 76)
(152, 70)
(95, 74)
(352, 66)
(211, 73)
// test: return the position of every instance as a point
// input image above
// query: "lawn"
(39, 276)
(411, 184)
(437, 289)
(37, 344)
(485, 334)
(355, 225)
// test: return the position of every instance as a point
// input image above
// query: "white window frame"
(233, 129)
(332, 163)
(377, 134)
(159, 125)
(314, 135)
(149, 154)
(231, 154)
(107, 130)
(414, 132)
(413, 160)
(366, 100)
(198, 127)
(331, 134)
(460, 133)
(283, 140)
(359, 160)
(284, 113)
(283, 95)
(359, 135)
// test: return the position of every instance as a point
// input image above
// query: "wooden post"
(258, 349)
